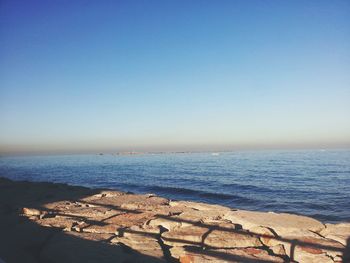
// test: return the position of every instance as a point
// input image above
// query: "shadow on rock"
(22, 240)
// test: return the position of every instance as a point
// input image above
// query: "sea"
(315, 183)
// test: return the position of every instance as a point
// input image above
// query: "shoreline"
(53, 222)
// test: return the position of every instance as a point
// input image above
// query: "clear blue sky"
(173, 75)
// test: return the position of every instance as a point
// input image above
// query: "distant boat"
(215, 154)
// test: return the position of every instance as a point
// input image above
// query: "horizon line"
(130, 151)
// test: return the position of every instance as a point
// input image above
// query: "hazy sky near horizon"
(173, 75)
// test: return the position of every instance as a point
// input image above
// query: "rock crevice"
(77, 224)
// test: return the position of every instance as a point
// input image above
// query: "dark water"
(314, 183)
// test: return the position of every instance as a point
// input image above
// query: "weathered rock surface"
(222, 255)
(65, 223)
(227, 238)
(199, 206)
(167, 222)
(281, 223)
(316, 250)
(31, 211)
(43, 222)
(182, 236)
(143, 240)
(119, 220)
(339, 232)
(133, 202)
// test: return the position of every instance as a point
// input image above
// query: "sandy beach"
(47, 222)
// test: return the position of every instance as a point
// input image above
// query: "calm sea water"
(314, 183)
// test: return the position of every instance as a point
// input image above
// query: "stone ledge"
(44, 222)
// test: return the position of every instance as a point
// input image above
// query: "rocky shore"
(47, 222)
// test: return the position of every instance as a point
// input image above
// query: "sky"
(85, 76)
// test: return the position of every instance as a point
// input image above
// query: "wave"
(172, 190)
(246, 187)
(218, 195)
(181, 192)
(199, 193)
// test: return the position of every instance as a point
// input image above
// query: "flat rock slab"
(311, 249)
(168, 223)
(339, 232)
(101, 194)
(122, 220)
(281, 223)
(62, 222)
(199, 206)
(94, 213)
(223, 255)
(131, 202)
(130, 219)
(143, 240)
(231, 238)
(194, 216)
(43, 222)
(182, 236)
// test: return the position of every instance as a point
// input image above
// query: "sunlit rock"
(62, 222)
(191, 255)
(131, 202)
(188, 235)
(281, 223)
(231, 238)
(199, 206)
(142, 240)
(119, 220)
(339, 232)
(31, 211)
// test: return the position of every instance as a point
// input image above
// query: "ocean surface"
(309, 182)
